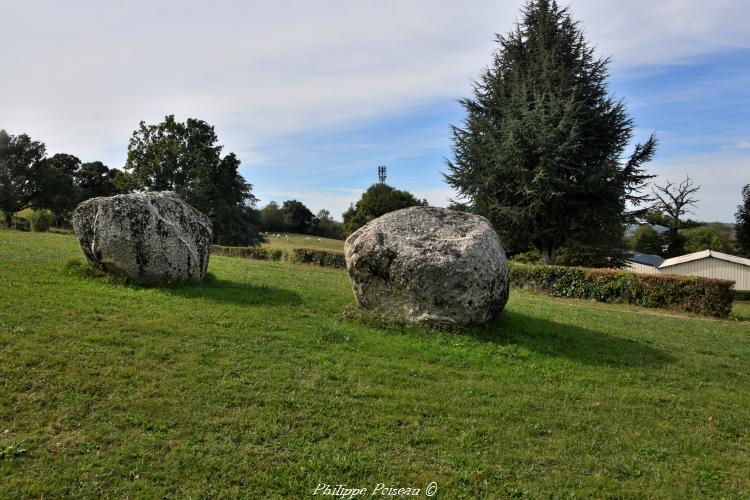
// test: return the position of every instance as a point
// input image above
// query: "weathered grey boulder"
(151, 237)
(430, 265)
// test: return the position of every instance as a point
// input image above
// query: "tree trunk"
(8, 219)
(549, 254)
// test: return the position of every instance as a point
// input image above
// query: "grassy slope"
(250, 385)
(288, 241)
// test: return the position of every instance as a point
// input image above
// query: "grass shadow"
(573, 342)
(211, 288)
(540, 335)
(231, 292)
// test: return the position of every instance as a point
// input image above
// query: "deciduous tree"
(20, 166)
(297, 217)
(674, 201)
(186, 158)
(647, 240)
(379, 199)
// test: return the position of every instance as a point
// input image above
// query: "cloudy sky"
(313, 95)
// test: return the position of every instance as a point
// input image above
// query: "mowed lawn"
(251, 385)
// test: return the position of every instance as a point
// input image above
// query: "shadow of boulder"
(231, 292)
(573, 342)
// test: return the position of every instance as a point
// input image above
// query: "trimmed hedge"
(324, 258)
(259, 253)
(708, 297)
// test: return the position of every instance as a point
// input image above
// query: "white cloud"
(81, 74)
(645, 32)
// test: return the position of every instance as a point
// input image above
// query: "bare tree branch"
(675, 200)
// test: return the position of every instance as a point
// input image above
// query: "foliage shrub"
(708, 297)
(324, 258)
(41, 220)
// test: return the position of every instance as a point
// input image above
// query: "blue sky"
(314, 95)
(698, 108)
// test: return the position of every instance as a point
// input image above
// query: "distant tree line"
(171, 155)
(30, 178)
(292, 216)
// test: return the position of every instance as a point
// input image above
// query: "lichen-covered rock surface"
(150, 237)
(431, 265)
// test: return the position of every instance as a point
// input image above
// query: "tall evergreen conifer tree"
(541, 150)
(743, 222)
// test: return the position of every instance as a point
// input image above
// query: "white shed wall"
(711, 267)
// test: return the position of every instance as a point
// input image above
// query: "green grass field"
(287, 241)
(251, 385)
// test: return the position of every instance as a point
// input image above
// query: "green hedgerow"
(705, 296)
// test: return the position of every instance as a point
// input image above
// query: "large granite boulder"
(430, 265)
(151, 237)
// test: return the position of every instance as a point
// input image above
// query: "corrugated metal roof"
(702, 255)
(647, 259)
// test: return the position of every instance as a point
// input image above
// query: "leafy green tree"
(124, 181)
(656, 217)
(327, 226)
(742, 218)
(648, 240)
(271, 217)
(185, 158)
(95, 179)
(540, 150)
(56, 186)
(379, 199)
(674, 201)
(20, 167)
(297, 217)
(715, 236)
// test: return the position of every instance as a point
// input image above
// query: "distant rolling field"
(287, 241)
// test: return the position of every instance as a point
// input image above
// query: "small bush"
(324, 258)
(41, 220)
(708, 297)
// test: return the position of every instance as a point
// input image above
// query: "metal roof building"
(707, 264)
